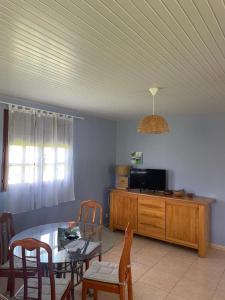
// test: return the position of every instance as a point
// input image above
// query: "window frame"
(5, 159)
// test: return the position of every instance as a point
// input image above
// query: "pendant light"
(153, 123)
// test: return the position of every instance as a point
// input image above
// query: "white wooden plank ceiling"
(101, 56)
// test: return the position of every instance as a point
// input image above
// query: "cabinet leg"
(203, 230)
(202, 252)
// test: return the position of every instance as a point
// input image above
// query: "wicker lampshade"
(153, 124)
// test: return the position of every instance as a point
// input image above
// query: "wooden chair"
(87, 214)
(88, 210)
(111, 277)
(6, 233)
(35, 285)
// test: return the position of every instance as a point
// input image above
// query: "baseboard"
(217, 246)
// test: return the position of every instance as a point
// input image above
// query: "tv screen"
(149, 179)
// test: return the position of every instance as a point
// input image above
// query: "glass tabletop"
(63, 237)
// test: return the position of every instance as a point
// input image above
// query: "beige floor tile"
(219, 294)
(172, 266)
(215, 253)
(221, 284)
(112, 256)
(118, 247)
(119, 237)
(107, 296)
(146, 259)
(178, 257)
(138, 270)
(173, 297)
(139, 246)
(160, 279)
(150, 254)
(160, 246)
(144, 291)
(204, 275)
(3, 283)
(188, 289)
(183, 252)
(101, 295)
(141, 240)
(211, 263)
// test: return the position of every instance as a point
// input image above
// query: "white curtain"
(40, 160)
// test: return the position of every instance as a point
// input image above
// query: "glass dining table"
(72, 243)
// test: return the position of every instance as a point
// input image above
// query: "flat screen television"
(148, 179)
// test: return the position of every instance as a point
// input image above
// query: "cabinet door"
(182, 223)
(151, 216)
(123, 210)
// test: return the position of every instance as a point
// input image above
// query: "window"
(37, 159)
(24, 166)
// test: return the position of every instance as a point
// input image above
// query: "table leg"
(72, 280)
(59, 268)
(75, 268)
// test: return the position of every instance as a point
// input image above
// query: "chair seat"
(61, 285)
(73, 246)
(17, 264)
(103, 271)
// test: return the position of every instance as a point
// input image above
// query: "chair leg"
(8, 285)
(95, 294)
(84, 290)
(86, 264)
(122, 292)
(68, 297)
(130, 288)
(100, 257)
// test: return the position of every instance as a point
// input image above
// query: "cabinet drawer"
(151, 217)
(155, 219)
(151, 230)
(152, 203)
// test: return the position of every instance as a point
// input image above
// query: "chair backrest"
(88, 210)
(31, 272)
(6, 233)
(125, 256)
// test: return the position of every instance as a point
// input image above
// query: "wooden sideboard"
(182, 221)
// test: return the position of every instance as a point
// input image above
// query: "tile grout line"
(154, 266)
(181, 278)
(214, 292)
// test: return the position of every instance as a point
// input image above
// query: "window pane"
(45, 238)
(48, 173)
(49, 155)
(60, 172)
(61, 153)
(30, 174)
(15, 174)
(31, 154)
(15, 154)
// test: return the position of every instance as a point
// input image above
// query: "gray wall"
(94, 159)
(193, 153)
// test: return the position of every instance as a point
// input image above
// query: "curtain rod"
(54, 112)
